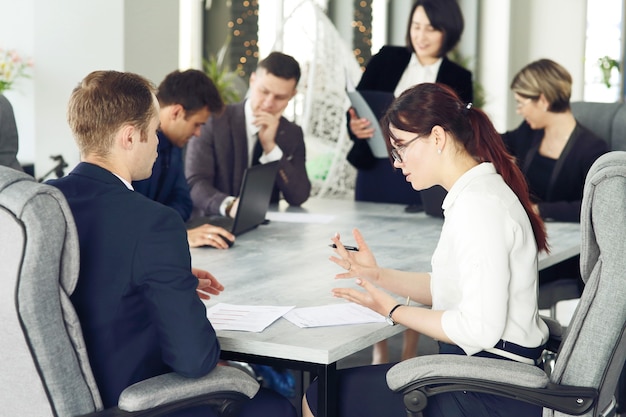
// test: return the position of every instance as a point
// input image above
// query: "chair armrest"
(171, 387)
(424, 376)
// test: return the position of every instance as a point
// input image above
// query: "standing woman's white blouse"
(484, 270)
(416, 73)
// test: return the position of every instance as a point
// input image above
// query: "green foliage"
(224, 80)
(479, 90)
(606, 64)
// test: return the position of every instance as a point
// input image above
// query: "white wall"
(70, 38)
(17, 33)
(525, 31)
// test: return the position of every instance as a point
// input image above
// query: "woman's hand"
(209, 235)
(359, 263)
(207, 283)
(372, 298)
(360, 126)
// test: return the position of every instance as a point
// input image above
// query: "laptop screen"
(254, 196)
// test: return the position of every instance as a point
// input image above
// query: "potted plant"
(606, 64)
(230, 86)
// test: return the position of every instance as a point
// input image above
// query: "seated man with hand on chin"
(250, 132)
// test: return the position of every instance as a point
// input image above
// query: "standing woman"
(482, 288)
(434, 29)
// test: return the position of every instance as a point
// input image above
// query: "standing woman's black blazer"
(377, 180)
(385, 69)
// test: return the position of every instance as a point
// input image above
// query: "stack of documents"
(257, 318)
(245, 318)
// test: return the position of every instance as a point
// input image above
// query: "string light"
(244, 27)
(244, 50)
(362, 31)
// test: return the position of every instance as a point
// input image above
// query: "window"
(603, 44)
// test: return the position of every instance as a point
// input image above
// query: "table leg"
(327, 401)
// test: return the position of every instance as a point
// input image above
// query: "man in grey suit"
(8, 135)
(250, 132)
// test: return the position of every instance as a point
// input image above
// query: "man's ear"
(176, 111)
(127, 135)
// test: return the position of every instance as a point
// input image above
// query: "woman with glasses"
(482, 290)
(553, 150)
(434, 28)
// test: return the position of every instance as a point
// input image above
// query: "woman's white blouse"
(416, 73)
(484, 269)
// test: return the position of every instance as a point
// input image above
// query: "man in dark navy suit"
(186, 100)
(136, 294)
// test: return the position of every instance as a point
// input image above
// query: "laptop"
(254, 200)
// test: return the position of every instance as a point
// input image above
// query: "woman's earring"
(439, 151)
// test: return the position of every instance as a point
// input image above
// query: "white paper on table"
(246, 318)
(276, 216)
(333, 315)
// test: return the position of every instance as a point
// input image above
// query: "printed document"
(333, 315)
(243, 317)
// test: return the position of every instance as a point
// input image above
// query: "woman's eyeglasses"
(396, 153)
(521, 103)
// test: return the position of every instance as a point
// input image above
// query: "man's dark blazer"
(168, 184)
(216, 160)
(384, 70)
(565, 185)
(136, 295)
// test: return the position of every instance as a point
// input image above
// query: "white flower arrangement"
(12, 67)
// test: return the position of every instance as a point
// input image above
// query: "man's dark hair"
(281, 65)
(192, 89)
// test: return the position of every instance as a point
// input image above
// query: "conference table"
(285, 263)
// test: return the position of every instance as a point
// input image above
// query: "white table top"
(284, 263)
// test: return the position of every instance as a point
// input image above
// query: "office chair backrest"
(594, 348)
(44, 369)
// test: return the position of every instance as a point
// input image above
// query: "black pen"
(352, 248)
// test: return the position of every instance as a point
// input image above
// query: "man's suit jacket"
(384, 70)
(168, 184)
(136, 295)
(216, 160)
(565, 185)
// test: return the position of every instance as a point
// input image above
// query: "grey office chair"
(592, 353)
(44, 369)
